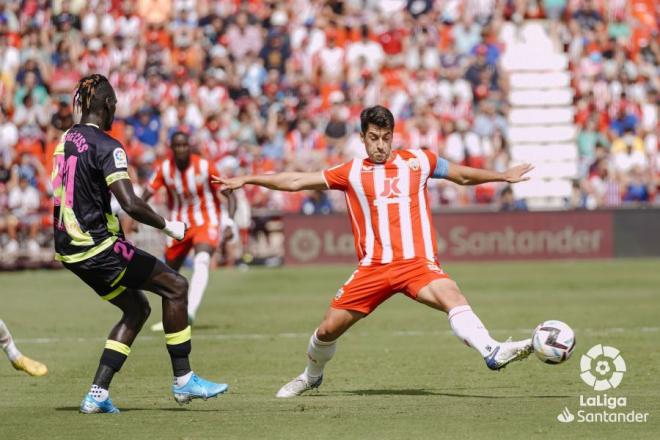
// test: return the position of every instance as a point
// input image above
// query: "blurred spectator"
(23, 204)
(507, 201)
(8, 138)
(628, 153)
(588, 139)
(316, 202)
(636, 187)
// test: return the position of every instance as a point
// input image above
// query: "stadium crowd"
(265, 86)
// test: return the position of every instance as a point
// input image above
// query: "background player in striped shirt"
(390, 215)
(194, 200)
(17, 359)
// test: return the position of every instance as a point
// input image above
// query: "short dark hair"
(377, 115)
(180, 133)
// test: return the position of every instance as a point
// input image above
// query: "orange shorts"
(369, 286)
(205, 234)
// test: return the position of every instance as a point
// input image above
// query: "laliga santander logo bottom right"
(602, 367)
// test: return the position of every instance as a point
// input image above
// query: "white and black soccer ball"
(553, 341)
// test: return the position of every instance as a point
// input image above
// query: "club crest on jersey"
(119, 155)
(413, 164)
(339, 293)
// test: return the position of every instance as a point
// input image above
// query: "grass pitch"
(397, 374)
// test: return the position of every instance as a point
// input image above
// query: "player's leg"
(365, 290)
(12, 231)
(320, 349)
(199, 278)
(135, 311)
(175, 254)
(444, 294)
(173, 289)
(17, 359)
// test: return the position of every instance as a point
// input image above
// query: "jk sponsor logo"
(602, 368)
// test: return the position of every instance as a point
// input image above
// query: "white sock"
(7, 343)
(468, 327)
(318, 354)
(99, 394)
(182, 380)
(198, 281)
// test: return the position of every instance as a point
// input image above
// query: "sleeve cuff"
(119, 175)
(325, 179)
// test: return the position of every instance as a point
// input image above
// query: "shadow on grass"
(423, 392)
(125, 410)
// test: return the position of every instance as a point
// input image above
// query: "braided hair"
(91, 93)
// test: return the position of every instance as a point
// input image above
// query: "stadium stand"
(570, 85)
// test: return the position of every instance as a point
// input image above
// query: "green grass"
(398, 374)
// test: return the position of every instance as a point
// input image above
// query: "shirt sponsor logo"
(391, 188)
(391, 193)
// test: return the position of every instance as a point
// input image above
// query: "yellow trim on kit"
(89, 253)
(119, 277)
(112, 222)
(78, 237)
(178, 337)
(58, 192)
(115, 293)
(112, 178)
(118, 346)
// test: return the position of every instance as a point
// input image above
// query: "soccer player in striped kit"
(194, 200)
(390, 215)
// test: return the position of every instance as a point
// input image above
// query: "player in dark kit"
(89, 165)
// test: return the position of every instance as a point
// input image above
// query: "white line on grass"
(257, 336)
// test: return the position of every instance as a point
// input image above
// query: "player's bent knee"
(145, 310)
(325, 333)
(180, 287)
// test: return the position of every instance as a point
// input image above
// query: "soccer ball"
(553, 341)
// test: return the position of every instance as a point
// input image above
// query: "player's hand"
(228, 184)
(517, 173)
(175, 229)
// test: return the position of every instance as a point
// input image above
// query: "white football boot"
(507, 352)
(298, 386)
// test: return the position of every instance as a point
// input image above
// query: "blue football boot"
(90, 406)
(197, 388)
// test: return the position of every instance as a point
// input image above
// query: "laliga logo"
(602, 367)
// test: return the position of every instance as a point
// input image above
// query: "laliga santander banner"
(465, 237)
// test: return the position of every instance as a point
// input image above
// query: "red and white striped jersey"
(389, 206)
(191, 197)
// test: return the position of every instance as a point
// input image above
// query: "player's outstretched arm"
(288, 181)
(474, 176)
(140, 211)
